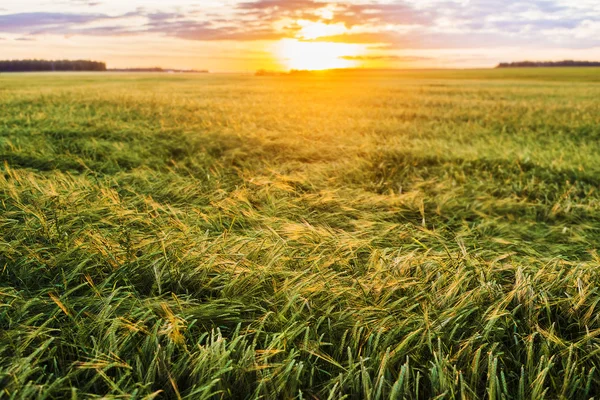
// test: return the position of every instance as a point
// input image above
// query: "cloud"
(397, 24)
(86, 3)
(393, 58)
(28, 22)
(180, 26)
(166, 23)
(349, 14)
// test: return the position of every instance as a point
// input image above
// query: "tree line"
(50, 65)
(160, 69)
(545, 64)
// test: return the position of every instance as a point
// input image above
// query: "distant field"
(412, 234)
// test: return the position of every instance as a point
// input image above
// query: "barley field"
(364, 235)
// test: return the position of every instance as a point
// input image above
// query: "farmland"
(408, 234)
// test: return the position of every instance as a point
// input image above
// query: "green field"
(410, 234)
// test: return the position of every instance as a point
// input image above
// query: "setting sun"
(295, 54)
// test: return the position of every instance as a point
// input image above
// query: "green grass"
(394, 235)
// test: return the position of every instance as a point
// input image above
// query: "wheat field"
(360, 235)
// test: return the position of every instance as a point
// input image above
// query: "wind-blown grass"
(379, 236)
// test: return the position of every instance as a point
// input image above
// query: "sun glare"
(299, 55)
(313, 30)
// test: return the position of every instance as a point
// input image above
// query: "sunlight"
(295, 54)
(313, 30)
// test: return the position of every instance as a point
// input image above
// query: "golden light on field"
(299, 55)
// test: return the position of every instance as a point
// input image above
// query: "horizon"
(282, 35)
(167, 69)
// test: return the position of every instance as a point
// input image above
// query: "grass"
(379, 236)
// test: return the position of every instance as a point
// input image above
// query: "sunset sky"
(233, 35)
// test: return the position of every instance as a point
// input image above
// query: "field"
(385, 235)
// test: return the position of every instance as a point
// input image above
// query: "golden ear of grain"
(175, 387)
(175, 326)
(59, 303)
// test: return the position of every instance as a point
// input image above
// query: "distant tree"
(152, 69)
(264, 72)
(159, 69)
(549, 64)
(50, 65)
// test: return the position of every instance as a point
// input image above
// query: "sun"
(300, 55)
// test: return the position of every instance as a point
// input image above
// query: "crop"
(328, 236)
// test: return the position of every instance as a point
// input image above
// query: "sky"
(247, 35)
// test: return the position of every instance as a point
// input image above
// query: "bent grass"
(379, 237)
